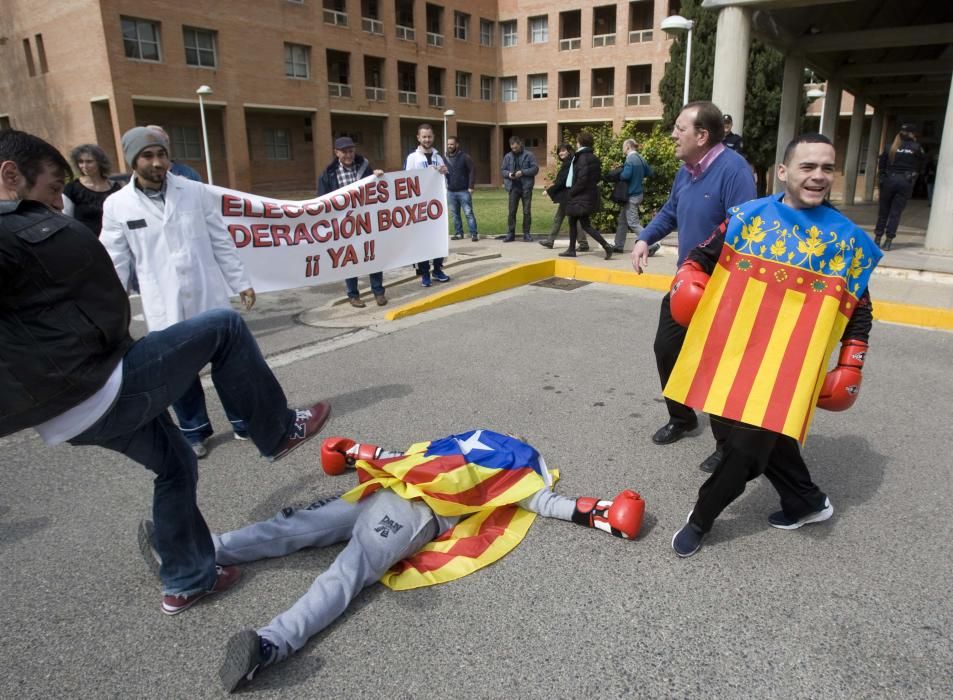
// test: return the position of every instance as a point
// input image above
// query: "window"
(486, 32)
(277, 144)
(140, 39)
(538, 87)
(508, 33)
(186, 142)
(461, 26)
(41, 53)
(508, 89)
(199, 47)
(486, 88)
(538, 29)
(297, 61)
(463, 84)
(28, 52)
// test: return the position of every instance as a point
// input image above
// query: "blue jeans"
(192, 414)
(156, 371)
(377, 285)
(455, 200)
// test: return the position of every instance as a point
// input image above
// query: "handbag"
(620, 192)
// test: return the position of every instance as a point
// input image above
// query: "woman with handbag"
(584, 197)
(558, 193)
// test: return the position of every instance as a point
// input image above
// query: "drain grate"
(562, 283)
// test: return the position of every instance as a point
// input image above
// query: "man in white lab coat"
(169, 230)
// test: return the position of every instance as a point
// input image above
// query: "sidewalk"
(907, 275)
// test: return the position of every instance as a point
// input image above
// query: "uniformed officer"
(899, 166)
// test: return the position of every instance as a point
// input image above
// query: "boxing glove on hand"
(842, 384)
(687, 290)
(620, 517)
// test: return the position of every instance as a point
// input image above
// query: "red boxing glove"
(687, 290)
(334, 455)
(842, 384)
(620, 517)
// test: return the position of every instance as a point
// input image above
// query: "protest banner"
(372, 225)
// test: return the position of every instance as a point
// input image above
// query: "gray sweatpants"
(382, 529)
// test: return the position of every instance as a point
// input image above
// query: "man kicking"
(465, 488)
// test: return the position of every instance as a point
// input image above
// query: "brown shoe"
(227, 577)
(356, 302)
(380, 299)
(306, 426)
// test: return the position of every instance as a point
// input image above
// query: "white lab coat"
(184, 256)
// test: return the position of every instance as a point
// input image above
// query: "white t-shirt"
(75, 420)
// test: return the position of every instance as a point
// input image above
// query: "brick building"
(289, 76)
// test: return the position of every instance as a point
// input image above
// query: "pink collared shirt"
(701, 166)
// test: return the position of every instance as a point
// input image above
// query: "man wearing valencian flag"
(434, 513)
(788, 281)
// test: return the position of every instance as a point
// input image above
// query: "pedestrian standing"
(519, 175)
(426, 156)
(899, 167)
(461, 177)
(89, 191)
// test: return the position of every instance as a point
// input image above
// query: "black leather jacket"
(64, 316)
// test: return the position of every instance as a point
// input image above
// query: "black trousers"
(669, 338)
(575, 222)
(750, 452)
(517, 195)
(895, 191)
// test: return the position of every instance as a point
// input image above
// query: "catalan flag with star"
(777, 303)
(481, 474)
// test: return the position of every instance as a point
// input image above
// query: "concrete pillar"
(873, 154)
(853, 149)
(791, 90)
(236, 148)
(939, 232)
(731, 63)
(831, 111)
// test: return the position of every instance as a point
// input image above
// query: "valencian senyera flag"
(775, 307)
(480, 474)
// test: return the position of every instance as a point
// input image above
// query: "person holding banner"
(72, 372)
(776, 287)
(169, 231)
(347, 168)
(478, 492)
(426, 156)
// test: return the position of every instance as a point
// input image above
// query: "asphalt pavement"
(858, 606)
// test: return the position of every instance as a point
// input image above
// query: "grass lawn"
(490, 207)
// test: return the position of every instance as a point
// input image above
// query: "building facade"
(290, 76)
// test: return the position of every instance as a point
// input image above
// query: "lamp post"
(814, 93)
(676, 24)
(201, 92)
(448, 113)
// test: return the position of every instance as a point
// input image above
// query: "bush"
(657, 148)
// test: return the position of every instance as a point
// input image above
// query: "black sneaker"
(712, 462)
(146, 538)
(245, 654)
(783, 522)
(583, 247)
(687, 541)
(546, 243)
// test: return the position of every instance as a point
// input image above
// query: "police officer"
(898, 169)
(732, 140)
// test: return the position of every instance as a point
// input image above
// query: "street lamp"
(812, 94)
(676, 24)
(448, 113)
(201, 92)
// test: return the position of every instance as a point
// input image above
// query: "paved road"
(856, 607)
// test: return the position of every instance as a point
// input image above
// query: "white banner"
(373, 225)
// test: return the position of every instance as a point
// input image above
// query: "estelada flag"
(478, 473)
(785, 285)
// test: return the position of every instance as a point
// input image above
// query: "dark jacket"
(514, 162)
(584, 197)
(64, 316)
(328, 182)
(557, 191)
(462, 172)
(908, 161)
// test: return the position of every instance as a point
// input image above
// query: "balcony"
(339, 90)
(372, 26)
(406, 97)
(602, 100)
(603, 40)
(405, 33)
(570, 44)
(640, 36)
(335, 17)
(375, 94)
(435, 40)
(438, 101)
(569, 103)
(638, 99)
